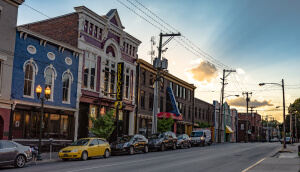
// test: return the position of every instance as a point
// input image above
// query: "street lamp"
(282, 85)
(47, 96)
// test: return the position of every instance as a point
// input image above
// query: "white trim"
(49, 54)
(68, 72)
(30, 97)
(53, 69)
(32, 62)
(66, 60)
(33, 51)
(70, 82)
(2, 57)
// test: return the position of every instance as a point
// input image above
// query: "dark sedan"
(129, 144)
(183, 141)
(163, 141)
(12, 153)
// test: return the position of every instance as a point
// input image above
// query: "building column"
(76, 115)
(131, 123)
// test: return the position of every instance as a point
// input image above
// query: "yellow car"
(85, 148)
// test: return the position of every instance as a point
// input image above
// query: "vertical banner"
(120, 81)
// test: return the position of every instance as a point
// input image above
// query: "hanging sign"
(120, 81)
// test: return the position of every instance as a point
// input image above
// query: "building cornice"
(15, 3)
(42, 37)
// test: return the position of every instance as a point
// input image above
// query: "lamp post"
(47, 96)
(282, 85)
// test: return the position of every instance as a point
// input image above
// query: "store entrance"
(83, 121)
(1, 127)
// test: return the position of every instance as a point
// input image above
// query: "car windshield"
(81, 142)
(125, 139)
(157, 136)
(180, 137)
(197, 134)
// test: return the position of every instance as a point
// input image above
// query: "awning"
(228, 129)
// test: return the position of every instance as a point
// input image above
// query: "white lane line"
(253, 165)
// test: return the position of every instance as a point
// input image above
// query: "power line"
(36, 10)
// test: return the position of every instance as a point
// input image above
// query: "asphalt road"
(218, 157)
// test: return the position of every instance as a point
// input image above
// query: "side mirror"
(91, 144)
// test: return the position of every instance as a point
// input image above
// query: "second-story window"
(28, 80)
(199, 113)
(49, 81)
(89, 71)
(151, 80)
(66, 88)
(180, 92)
(189, 95)
(195, 112)
(184, 90)
(189, 111)
(143, 76)
(171, 85)
(112, 80)
(162, 84)
(161, 104)
(151, 98)
(143, 99)
(177, 90)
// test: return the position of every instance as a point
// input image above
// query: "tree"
(164, 124)
(202, 124)
(104, 125)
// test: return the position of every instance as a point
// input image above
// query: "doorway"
(1, 127)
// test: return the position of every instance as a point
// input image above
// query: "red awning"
(168, 115)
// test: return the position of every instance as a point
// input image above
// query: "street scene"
(122, 85)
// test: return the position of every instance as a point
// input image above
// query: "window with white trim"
(29, 81)
(89, 71)
(189, 95)
(49, 81)
(66, 88)
(112, 79)
(184, 93)
(109, 78)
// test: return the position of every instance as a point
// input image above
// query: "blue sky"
(260, 38)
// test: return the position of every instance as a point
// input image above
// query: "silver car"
(12, 153)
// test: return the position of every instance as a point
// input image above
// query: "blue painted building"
(39, 60)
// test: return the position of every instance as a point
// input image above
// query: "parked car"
(201, 137)
(183, 141)
(85, 148)
(129, 144)
(12, 153)
(163, 140)
(274, 139)
(288, 140)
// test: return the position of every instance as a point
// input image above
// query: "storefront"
(56, 124)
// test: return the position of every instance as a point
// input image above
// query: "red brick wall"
(5, 114)
(64, 29)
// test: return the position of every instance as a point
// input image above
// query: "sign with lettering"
(120, 81)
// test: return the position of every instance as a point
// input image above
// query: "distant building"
(8, 22)
(253, 128)
(40, 60)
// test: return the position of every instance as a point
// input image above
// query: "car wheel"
(65, 159)
(106, 153)
(146, 149)
(181, 146)
(174, 146)
(209, 143)
(20, 161)
(162, 147)
(190, 145)
(131, 150)
(84, 156)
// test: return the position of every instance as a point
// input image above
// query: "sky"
(258, 39)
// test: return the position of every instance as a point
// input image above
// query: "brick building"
(184, 95)
(8, 22)
(105, 44)
(252, 126)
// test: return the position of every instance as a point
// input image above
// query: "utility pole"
(296, 128)
(267, 129)
(222, 99)
(252, 117)
(247, 121)
(159, 64)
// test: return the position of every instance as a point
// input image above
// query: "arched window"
(66, 88)
(30, 69)
(49, 81)
(29, 81)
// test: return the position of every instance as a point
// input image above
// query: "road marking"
(254, 165)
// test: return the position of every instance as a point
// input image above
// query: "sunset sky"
(260, 39)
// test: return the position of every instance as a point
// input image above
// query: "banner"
(120, 81)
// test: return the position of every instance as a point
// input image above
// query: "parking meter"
(50, 146)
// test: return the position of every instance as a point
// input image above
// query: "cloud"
(241, 102)
(204, 72)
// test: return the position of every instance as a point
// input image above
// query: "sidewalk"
(46, 157)
(286, 160)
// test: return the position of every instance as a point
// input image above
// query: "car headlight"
(75, 150)
(202, 138)
(61, 151)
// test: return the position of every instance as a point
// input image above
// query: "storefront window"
(18, 125)
(54, 126)
(65, 126)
